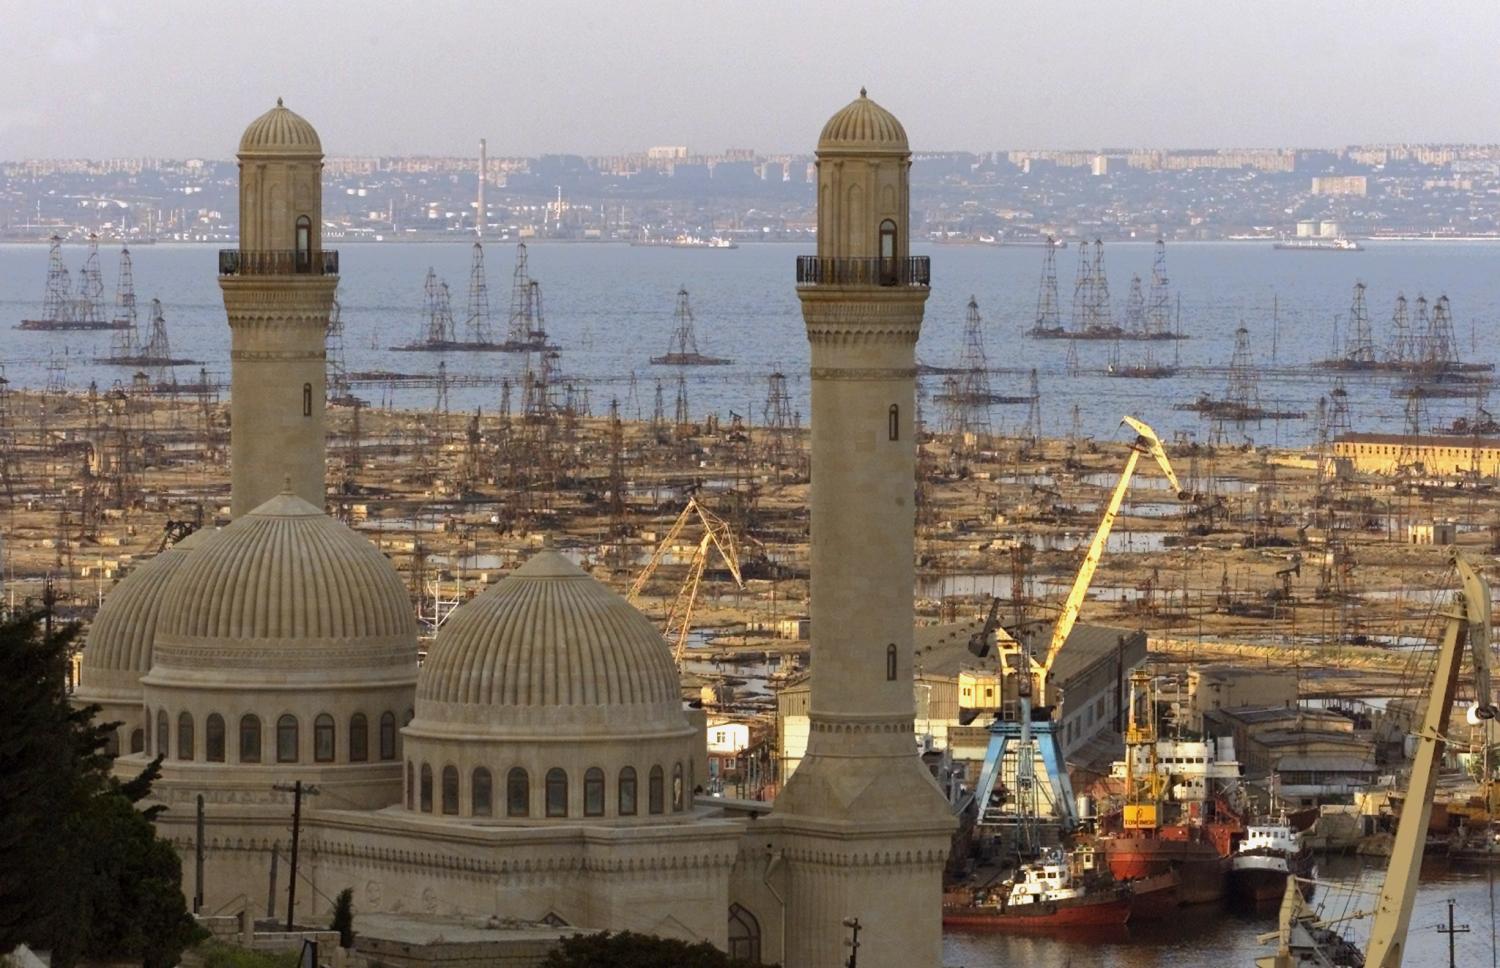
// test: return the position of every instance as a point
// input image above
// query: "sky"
(171, 79)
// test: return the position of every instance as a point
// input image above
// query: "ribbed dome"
(288, 572)
(863, 127)
(549, 635)
(280, 132)
(117, 651)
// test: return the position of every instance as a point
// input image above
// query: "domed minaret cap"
(280, 133)
(863, 128)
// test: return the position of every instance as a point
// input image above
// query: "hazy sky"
(176, 79)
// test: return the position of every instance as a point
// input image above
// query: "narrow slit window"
(890, 662)
(304, 244)
(307, 399)
(888, 276)
(893, 422)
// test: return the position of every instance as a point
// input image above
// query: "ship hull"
(1261, 878)
(1109, 910)
(1203, 873)
(1154, 898)
(68, 326)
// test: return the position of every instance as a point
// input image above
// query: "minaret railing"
(815, 270)
(278, 262)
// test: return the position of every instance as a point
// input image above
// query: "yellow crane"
(717, 535)
(1146, 442)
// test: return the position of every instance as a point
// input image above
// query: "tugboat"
(1060, 889)
(1269, 854)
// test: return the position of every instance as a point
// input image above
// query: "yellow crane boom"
(717, 535)
(1146, 442)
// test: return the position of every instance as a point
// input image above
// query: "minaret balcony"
(278, 262)
(914, 271)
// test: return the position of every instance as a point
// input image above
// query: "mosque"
(540, 764)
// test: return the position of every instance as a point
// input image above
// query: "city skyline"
(393, 81)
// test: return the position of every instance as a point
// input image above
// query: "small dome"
(282, 578)
(280, 131)
(117, 651)
(551, 643)
(863, 127)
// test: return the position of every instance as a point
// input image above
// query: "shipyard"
(453, 519)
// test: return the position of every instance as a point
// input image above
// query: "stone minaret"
(862, 829)
(278, 291)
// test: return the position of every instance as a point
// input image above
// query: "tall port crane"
(1305, 940)
(717, 536)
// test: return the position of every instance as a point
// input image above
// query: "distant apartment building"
(1354, 185)
(667, 153)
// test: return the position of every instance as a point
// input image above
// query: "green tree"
(84, 874)
(630, 950)
(343, 917)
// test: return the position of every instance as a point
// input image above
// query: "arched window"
(480, 793)
(557, 793)
(411, 784)
(249, 739)
(656, 791)
(323, 738)
(388, 736)
(213, 738)
(744, 935)
(112, 743)
(137, 741)
(893, 423)
(678, 794)
(426, 788)
(888, 274)
(162, 739)
(307, 399)
(517, 793)
(304, 244)
(184, 736)
(359, 738)
(286, 739)
(450, 790)
(148, 731)
(593, 792)
(627, 792)
(890, 662)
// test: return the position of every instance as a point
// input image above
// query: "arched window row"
(286, 738)
(555, 791)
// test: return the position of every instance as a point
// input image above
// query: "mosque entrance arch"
(744, 935)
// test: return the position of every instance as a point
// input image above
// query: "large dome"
(287, 588)
(117, 651)
(550, 644)
(863, 127)
(280, 132)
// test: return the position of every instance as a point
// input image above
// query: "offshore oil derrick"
(1031, 431)
(776, 416)
(1400, 351)
(59, 298)
(437, 310)
(126, 332)
(477, 325)
(336, 371)
(619, 520)
(1048, 310)
(89, 310)
(525, 329)
(682, 349)
(658, 415)
(1360, 349)
(1100, 320)
(1083, 292)
(1241, 401)
(61, 309)
(1135, 310)
(1439, 347)
(1158, 306)
(683, 417)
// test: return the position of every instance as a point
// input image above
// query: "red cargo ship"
(1060, 890)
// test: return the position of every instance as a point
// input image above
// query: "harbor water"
(610, 308)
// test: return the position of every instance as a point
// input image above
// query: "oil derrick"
(926, 514)
(658, 415)
(1415, 414)
(683, 419)
(1158, 311)
(1099, 312)
(57, 303)
(1048, 308)
(519, 323)
(1074, 445)
(1031, 433)
(1083, 291)
(1360, 347)
(126, 333)
(157, 353)
(1243, 392)
(207, 397)
(9, 467)
(471, 466)
(776, 417)
(1338, 411)
(967, 394)
(118, 461)
(353, 458)
(438, 309)
(682, 348)
(1135, 309)
(336, 374)
(477, 326)
(633, 398)
(619, 521)
(1421, 333)
(536, 332)
(1441, 345)
(90, 309)
(1400, 352)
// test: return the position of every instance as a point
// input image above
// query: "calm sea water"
(1213, 936)
(611, 308)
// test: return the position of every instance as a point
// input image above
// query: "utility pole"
(298, 791)
(1452, 931)
(198, 861)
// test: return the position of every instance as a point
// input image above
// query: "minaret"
(278, 291)
(864, 830)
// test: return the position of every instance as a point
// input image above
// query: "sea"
(1211, 936)
(610, 307)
